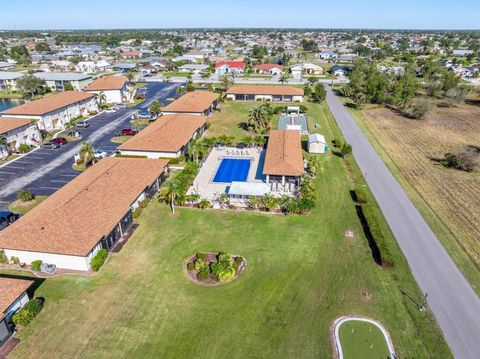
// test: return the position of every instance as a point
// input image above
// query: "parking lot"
(45, 171)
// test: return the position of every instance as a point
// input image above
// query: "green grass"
(8, 159)
(459, 256)
(120, 139)
(24, 207)
(302, 274)
(362, 340)
(79, 168)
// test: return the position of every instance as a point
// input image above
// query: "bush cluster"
(99, 259)
(224, 269)
(28, 312)
(3, 257)
(36, 265)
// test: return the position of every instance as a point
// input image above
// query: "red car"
(128, 132)
(59, 140)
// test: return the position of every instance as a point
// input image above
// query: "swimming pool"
(232, 169)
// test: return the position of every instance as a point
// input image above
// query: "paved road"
(45, 171)
(451, 299)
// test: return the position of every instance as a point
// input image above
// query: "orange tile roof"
(284, 155)
(76, 217)
(11, 123)
(107, 83)
(48, 104)
(168, 133)
(192, 102)
(10, 290)
(265, 90)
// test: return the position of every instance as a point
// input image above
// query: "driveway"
(45, 171)
(451, 299)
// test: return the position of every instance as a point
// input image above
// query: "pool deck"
(203, 183)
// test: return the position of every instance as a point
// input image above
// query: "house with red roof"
(268, 69)
(229, 67)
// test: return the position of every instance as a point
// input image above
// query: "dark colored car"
(7, 218)
(59, 140)
(50, 146)
(145, 115)
(128, 132)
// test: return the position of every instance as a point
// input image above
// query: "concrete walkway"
(451, 299)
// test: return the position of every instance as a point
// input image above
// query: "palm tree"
(130, 76)
(71, 125)
(4, 143)
(171, 194)
(156, 107)
(284, 77)
(259, 118)
(87, 153)
(227, 81)
(25, 195)
(101, 98)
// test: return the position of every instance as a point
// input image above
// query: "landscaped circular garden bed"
(214, 268)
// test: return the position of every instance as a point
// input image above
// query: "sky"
(371, 14)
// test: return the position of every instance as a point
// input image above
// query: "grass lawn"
(302, 274)
(362, 340)
(446, 198)
(8, 159)
(23, 207)
(120, 139)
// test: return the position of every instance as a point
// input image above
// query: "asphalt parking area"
(45, 171)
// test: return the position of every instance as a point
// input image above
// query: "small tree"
(156, 107)
(421, 108)
(25, 195)
(87, 153)
(319, 93)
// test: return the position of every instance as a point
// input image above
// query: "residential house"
(194, 68)
(114, 88)
(274, 93)
(57, 81)
(168, 137)
(462, 52)
(13, 296)
(268, 69)
(18, 131)
(52, 112)
(124, 67)
(91, 212)
(326, 55)
(306, 69)
(131, 54)
(284, 165)
(193, 103)
(229, 67)
(8, 80)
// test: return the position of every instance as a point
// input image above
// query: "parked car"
(83, 124)
(7, 218)
(59, 140)
(100, 154)
(128, 132)
(110, 110)
(145, 115)
(50, 146)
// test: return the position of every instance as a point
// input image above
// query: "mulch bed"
(211, 258)
(9, 345)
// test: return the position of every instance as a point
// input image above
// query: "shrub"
(28, 312)
(191, 266)
(377, 233)
(203, 275)
(239, 260)
(226, 274)
(35, 265)
(3, 257)
(202, 266)
(25, 195)
(201, 256)
(361, 194)
(24, 148)
(421, 108)
(79, 162)
(99, 259)
(174, 161)
(15, 260)
(204, 204)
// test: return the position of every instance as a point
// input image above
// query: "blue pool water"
(232, 169)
